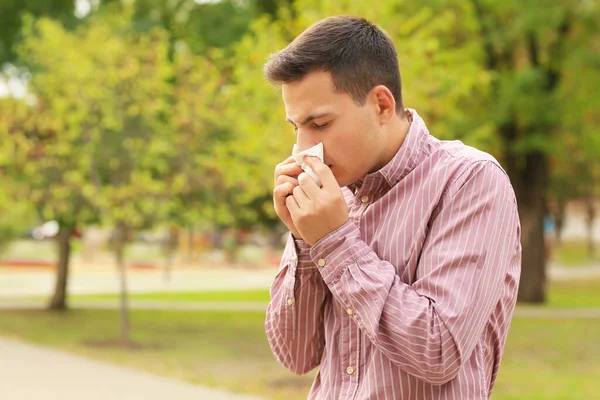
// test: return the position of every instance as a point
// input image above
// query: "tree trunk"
(590, 216)
(529, 181)
(119, 243)
(63, 241)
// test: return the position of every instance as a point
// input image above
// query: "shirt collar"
(404, 161)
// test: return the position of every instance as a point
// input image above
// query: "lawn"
(564, 294)
(575, 254)
(551, 359)
(574, 294)
(220, 349)
(544, 358)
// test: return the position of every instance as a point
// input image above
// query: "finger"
(287, 169)
(282, 191)
(301, 198)
(292, 206)
(323, 172)
(281, 179)
(308, 184)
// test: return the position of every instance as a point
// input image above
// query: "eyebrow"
(309, 118)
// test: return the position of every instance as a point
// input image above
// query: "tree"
(11, 18)
(17, 215)
(529, 50)
(129, 141)
(444, 67)
(94, 145)
(493, 74)
(44, 170)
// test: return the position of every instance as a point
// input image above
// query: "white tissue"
(316, 151)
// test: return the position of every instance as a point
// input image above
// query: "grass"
(227, 350)
(563, 294)
(544, 359)
(551, 359)
(574, 294)
(575, 254)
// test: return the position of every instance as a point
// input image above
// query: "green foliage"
(12, 12)
(14, 221)
(159, 111)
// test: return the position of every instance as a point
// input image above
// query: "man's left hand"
(317, 211)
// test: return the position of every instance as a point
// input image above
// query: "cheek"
(344, 149)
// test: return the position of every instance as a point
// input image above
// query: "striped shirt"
(412, 298)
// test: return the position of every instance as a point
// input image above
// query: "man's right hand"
(286, 179)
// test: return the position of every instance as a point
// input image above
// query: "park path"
(31, 372)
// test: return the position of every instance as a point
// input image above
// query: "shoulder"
(469, 169)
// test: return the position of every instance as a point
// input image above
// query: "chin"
(342, 181)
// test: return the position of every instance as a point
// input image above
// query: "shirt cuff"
(337, 250)
(297, 256)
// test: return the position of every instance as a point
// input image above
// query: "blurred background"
(137, 145)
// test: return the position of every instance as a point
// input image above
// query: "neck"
(397, 129)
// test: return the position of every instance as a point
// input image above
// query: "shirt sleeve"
(294, 320)
(430, 328)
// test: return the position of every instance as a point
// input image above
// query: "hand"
(286, 174)
(315, 211)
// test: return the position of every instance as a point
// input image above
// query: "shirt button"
(290, 302)
(349, 370)
(349, 311)
(294, 256)
(321, 262)
(364, 199)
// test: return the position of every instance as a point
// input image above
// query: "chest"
(395, 222)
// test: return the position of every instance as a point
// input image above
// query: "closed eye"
(322, 126)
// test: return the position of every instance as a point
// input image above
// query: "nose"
(304, 144)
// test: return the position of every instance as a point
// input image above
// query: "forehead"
(315, 93)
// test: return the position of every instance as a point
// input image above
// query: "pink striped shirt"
(413, 297)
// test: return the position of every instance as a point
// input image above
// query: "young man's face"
(349, 132)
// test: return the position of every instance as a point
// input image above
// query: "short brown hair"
(357, 54)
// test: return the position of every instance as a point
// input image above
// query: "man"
(400, 275)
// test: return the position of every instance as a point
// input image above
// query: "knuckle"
(297, 191)
(303, 178)
(281, 190)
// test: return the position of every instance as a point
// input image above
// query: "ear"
(384, 102)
